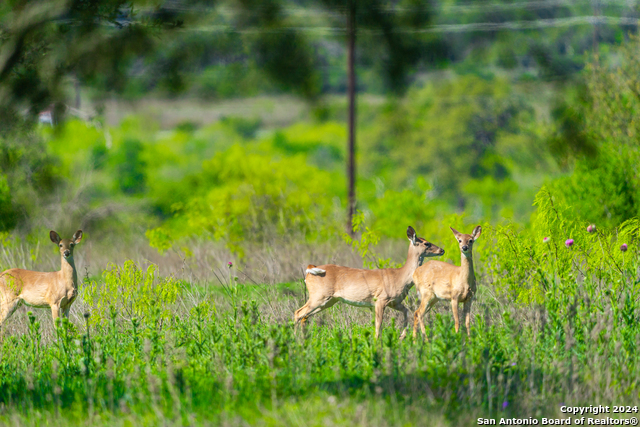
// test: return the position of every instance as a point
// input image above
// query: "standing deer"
(328, 284)
(440, 280)
(57, 289)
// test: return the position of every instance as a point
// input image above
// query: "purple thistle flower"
(569, 243)
(591, 228)
(513, 364)
(505, 404)
(230, 264)
(624, 247)
(546, 239)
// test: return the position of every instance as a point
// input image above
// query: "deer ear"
(455, 232)
(476, 232)
(55, 238)
(77, 237)
(411, 234)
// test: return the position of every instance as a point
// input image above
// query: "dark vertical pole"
(595, 26)
(351, 89)
(76, 85)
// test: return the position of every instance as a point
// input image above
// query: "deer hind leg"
(454, 309)
(7, 308)
(428, 300)
(313, 307)
(466, 309)
(405, 323)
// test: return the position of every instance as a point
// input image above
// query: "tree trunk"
(351, 91)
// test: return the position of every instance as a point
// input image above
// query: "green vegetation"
(513, 115)
(156, 350)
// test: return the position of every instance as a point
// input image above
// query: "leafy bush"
(132, 293)
(242, 195)
(557, 252)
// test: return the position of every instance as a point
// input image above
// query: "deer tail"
(312, 269)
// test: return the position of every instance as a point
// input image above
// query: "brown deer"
(378, 289)
(57, 289)
(437, 280)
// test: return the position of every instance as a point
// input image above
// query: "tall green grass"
(151, 350)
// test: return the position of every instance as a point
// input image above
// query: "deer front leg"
(454, 309)
(55, 313)
(466, 309)
(380, 306)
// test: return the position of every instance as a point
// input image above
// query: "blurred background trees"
(463, 107)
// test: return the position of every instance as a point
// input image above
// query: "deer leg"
(405, 311)
(380, 306)
(454, 309)
(426, 303)
(55, 313)
(297, 316)
(311, 308)
(466, 309)
(7, 309)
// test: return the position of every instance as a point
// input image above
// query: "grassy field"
(156, 349)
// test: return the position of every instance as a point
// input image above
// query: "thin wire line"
(444, 28)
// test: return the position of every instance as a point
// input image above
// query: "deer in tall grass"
(56, 290)
(437, 280)
(377, 289)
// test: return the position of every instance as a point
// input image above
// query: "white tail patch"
(316, 271)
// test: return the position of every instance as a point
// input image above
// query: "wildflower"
(624, 247)
(505, 404)
(513, 364)
(591, 228)
(230, 264)
(546, 240)
(569, 243)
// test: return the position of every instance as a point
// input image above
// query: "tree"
(46, 44)
(375, 23)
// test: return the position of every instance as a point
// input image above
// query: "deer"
(437, 280)
(56, 290)
(375, 289)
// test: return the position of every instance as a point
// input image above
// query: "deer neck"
(466, 268)
(407, 270)
(68, 272)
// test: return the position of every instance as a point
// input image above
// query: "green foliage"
(600, 140)
(135, 294)
(27, 170)
(211, 362)
(129, 166)
(365, 244)
(240, 195)
(535, 264)
(8, 215)
(467, 136)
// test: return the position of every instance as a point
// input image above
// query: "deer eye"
(61, 245)
(428, 245)
(459, 241)
(470, 240)
(72, 245)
